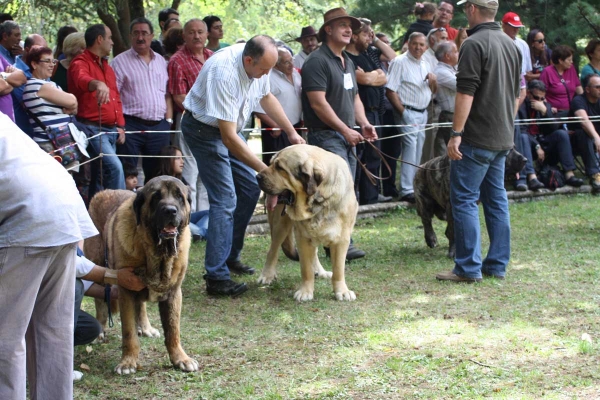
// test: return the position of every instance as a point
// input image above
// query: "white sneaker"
(77, 376)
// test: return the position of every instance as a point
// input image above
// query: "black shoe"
(409, 198)
(238, 268)
(534, 184)
(224, 288)
(520, 186)
(574, 181)
(352, 253)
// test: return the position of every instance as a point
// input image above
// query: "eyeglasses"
(543, 98)
(49, 61)
(539, 41)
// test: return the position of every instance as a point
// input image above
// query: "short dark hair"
(36, 53)
(536, 84)
(163, 14)
(172, 39)
(92, 33)
(61, 35)
(591, 47)
(7, 27)
(141, 20)
(585, 82)
(561, 52)
(256, 46)
(5, 17)
(129, 170)
(210, 20)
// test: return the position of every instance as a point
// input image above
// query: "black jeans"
(392, 148)
(584, 146)
(87, 328)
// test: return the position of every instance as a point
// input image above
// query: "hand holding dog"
(127, 279)
(453, 146)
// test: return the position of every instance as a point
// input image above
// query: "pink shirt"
(142, 86)
(556, 92)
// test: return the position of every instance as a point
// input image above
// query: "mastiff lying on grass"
(148, 231)
(432, 194)
(320, 206)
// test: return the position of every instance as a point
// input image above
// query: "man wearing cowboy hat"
(308, 40)
(330, 100)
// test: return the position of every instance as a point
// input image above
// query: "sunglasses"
(538, 98)
(539, 41)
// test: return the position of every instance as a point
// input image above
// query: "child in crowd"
(425, 12)
(174, 167)
(131, 176)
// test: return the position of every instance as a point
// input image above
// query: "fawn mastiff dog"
(320, 207)
(148, 231)
(432, 194)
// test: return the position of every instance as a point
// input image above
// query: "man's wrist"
(110, 276)
(454, 133)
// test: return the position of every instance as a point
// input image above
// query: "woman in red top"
(561, 80)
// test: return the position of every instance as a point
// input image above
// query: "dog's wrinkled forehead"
(165, 187)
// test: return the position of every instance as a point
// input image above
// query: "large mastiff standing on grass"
(321, 208)
(148, 231)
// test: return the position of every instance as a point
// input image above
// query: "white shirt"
(406, 76)
(446, 86)
(224, 91)
(288, 93)
(430, 60)
(299, 59)
(39, 202)
(526, 66)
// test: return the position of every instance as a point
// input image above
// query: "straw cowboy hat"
(334, 14)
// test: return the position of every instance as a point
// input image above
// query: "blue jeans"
(112, 169)
(479, 176)
(199, 223)
(232, 194)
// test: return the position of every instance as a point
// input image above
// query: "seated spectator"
(172, 42)
(547, 142)
(540, 54)
(131, 176)
(61, 35)
(561, 80)
(215, 33)
(425, 12)
(586, 137)
(173, 166)
(592, 51)
(45, 99)
(73, 45)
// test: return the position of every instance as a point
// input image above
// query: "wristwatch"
(455, 133)
(4, 75)
(537, 147)
(169, 120)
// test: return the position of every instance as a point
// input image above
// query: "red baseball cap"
(512, 19)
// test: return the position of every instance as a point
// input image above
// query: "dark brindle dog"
(432, 194)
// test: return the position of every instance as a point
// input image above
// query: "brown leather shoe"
(450, 276)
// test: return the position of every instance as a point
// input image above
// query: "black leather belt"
(143, 121)
(415, 109)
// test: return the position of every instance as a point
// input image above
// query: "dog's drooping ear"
(310, 176)
(138, 203)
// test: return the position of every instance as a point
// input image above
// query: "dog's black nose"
(170, 210)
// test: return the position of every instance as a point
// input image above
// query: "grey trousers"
(37, 298)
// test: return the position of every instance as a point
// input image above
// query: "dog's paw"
(347, 295)
(148, 332)
(266, 279)
(187, 365)
(303, 295)
(324, 274)
(102, 337)
(127, 366)
(431, 241)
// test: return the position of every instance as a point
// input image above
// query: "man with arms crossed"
(228, 88)
(488, 85)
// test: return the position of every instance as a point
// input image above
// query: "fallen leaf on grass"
(586, 337)
(85, 367)
(89, 349)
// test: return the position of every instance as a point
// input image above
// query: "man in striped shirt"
(409, 89)
(228, 88)
(142, 81)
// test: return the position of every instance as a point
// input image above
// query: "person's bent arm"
(368, 131)
(395, 101)
(321, 107)
(588, 128)
(15, 77)
(126, 278)
(50, 93)
(374, 78)
(178, 100)
(273, 109)
(238, 147)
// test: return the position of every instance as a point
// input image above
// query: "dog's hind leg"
(170, 315)
(318, 269)
(143, 323)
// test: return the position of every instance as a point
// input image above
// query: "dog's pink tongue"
(170, 229)
(271, 202)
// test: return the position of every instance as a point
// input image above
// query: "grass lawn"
(407, 336)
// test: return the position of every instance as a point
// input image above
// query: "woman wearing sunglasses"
(540, 54)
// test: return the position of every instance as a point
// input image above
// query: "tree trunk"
(175, 4)
(136, 9)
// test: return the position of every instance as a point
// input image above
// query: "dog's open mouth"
(169, 232)
(286, 198)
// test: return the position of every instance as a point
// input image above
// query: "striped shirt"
(406, 76)
(183, 70)
(446, 86)
(49, 113)
(142, 85)
(223, 90)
